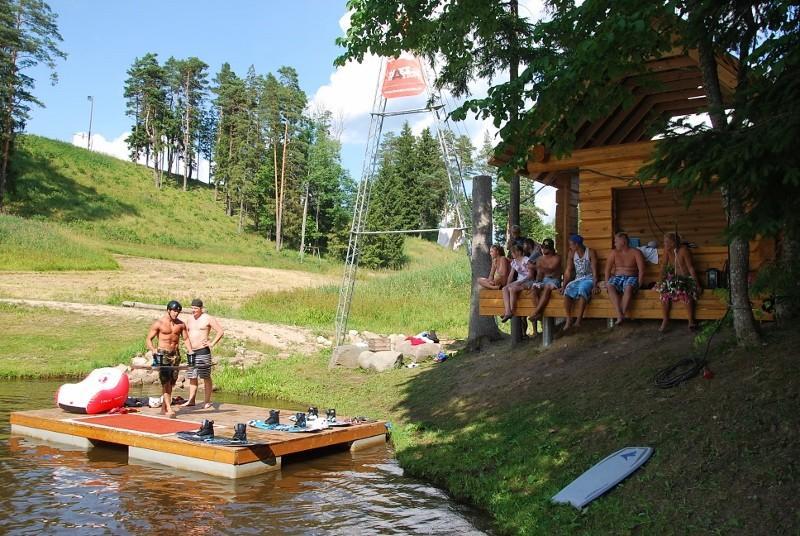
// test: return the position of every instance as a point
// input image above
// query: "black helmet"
(174, 306)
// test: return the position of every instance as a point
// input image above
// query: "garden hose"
(689, 367)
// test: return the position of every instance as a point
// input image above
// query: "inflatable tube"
(102, 390)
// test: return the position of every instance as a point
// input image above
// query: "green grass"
(724, 449)
(39, 245)
(431, 293)
(40, 343)
(506, 429)
(106, 205)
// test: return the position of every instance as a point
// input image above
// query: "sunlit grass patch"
(433, 295)
(42, 246)
(114, 206)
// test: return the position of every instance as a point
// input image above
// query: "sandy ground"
(284, 338)
(215, 283)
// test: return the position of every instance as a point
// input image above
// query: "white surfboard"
(603, 476)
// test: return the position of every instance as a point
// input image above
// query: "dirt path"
(285, 338)
(139, 278)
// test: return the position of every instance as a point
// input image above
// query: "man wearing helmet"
(169, 329)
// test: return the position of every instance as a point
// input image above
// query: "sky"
(103, 38)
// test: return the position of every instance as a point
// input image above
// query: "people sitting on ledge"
(516, 281)
(624, 275)
(548, 277)
(498, 275)
(580, 280)
(678, 281)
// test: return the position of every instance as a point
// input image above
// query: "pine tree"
(430, 184)
(28, 37)
(193, 86)
(388, 190)
(145, 92)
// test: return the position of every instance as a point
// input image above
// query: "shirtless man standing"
(548, 277)
(200, 325)
(169, 329)
(627, 265)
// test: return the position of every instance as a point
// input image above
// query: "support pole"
(517, 326)
(481, 328)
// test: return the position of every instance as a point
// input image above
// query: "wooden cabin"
(596, 199)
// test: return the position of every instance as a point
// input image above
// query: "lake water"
(50, 489)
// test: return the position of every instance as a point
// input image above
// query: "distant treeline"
(273, 164)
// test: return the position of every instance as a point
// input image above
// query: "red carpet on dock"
(142, 423)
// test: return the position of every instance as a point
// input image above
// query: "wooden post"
(517, 326)
(547, 331)
(481, 328)
(566, 210)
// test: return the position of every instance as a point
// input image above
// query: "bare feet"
(663, 327)
(619, 321)
(171, 414)
(567, 325)
(188, 404)
(208, 405)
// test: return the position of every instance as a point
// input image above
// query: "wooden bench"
(646, 305)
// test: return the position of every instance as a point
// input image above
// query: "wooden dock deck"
(150, 437)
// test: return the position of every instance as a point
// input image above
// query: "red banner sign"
(403, 78)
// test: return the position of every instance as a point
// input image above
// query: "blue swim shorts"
(555, 282)
(581, 288)
(620, 282)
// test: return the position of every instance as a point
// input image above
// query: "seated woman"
(516, 280)
(678, 280)
(498, 275)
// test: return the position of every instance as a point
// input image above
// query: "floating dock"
(151, 437)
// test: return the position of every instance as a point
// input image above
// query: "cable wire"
(689, 367)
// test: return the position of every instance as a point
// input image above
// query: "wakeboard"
(603, 476)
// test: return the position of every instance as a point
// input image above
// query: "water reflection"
(53, 489)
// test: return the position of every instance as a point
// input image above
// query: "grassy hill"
(74, 208)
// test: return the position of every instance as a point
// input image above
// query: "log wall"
(608, 203)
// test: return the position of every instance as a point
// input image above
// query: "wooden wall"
(607, 205)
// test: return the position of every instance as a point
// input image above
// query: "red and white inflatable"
(104, 389)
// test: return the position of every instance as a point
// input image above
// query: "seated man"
(580, 280)
(548, 277)
(627, 266)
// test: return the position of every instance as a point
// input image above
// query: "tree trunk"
(739, 262)
(743, 321)
(186, 137)
(482, 329)
(277, 189)
(156, 159)
(241, 212)
(8, 128)
(303, 226)
(514, 201)
(279, 226)
(787, 302)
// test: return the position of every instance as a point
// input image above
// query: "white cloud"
(118, 148)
